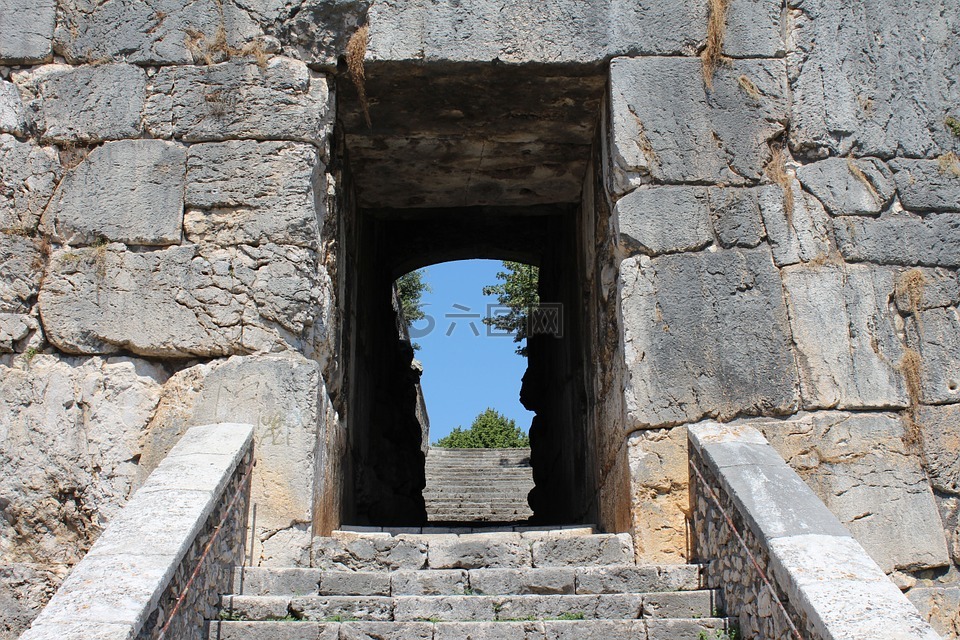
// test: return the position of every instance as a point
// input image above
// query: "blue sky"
(463, 373)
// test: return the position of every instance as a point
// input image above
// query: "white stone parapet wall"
(159, 568)
(786, 566)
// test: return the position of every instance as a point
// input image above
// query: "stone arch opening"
(464, 161)
(385, 446)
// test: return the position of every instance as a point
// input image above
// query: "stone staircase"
(566, 584)
(478, 485)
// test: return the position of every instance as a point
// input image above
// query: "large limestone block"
(253, 192)
(659, 498)
(661, 220)
(926, 185)
(285, 399)
(885, 86)
(129, 191)
(70, 433)
(668, 126)
(319, 30)
(86, 104)
(28, 176)
(283, 100)
(21, 269)
(182, 301)
(797, 233)
(26, 30)
(859, 466)
(849, 187)
(940, 438)
(936, 337)
(557, 31)
(13, 115)
(903, 239)
(940, 288)
(705, 335)
(847, 342)
(160, 32)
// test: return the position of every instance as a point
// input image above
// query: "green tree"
(490, 430)
(518, 291)
(411, 288)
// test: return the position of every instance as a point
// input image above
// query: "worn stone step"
(264, 581)
(525, 530)
(383, 552)
(630, 606)
(648, 629)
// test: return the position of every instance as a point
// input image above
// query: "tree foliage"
(411, 288)
(490, 430)
(518, 291)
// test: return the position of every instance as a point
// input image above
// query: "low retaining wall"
(158, 569)
(787, 568)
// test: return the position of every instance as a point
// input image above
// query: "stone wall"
(165, 252)
(786, 236)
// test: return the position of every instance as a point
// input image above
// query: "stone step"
(351, 531)
(611, 579)
(383, 552)
(648, 629)
(473, 608)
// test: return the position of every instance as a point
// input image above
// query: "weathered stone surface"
(667, 127)
(254, 192)
(129, 191)
(936, 337)
(800, 234)
(505, 550)
(859, 466)
(847, 186)
(662, 220)
(24, 589)
(429, 583)
(705, 335)
(15, 327)
(320, 29)
(368, 553)
(21, 269)
(849, 91)
(842, 592)
(847, 342)
(182, 301)
(86, 104)
(939, 288)
(26, 30)
(69, 445)
(926, 185)
(658, 494)
(577, 551)
(282, 100)
(551, 581)
(940, 438)
(940, 606)
(638, 578)
(163, 32)
(283, 397)
(932, 241)
(736, 217)
(13, 115)
(563, 30)
(28, 176)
